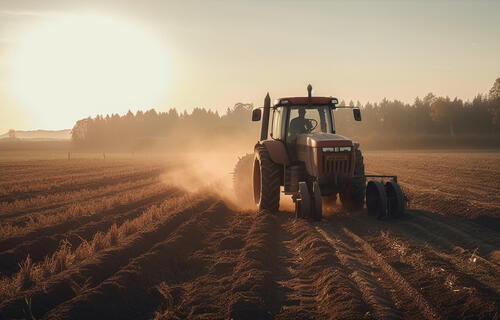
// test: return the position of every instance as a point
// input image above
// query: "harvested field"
(165, 239)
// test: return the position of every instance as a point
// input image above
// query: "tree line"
(428, 116)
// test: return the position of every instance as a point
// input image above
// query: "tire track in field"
(46, 240)
(316, 284)
(383, 303)
(130, 292)
(254, 292)
(439, 277)
(356, 253)
(94, 271)
(461, 233)
(443, 277)
(483, 274)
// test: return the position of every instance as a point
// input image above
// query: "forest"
(431, 121)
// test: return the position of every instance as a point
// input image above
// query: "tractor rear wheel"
(242, 180)
(353, 196)
(266, 181)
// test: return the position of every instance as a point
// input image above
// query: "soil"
(205, 258)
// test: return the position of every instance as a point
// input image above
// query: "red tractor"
(312, 163)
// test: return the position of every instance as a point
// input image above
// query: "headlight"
(336, 149)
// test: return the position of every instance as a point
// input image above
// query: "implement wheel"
(376, 199)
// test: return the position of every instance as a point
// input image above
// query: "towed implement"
(305, 158)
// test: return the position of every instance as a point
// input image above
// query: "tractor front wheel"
(318, 203)
(353, 196)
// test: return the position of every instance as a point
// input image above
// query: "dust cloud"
(204, 172)
(208, 169)
(211, 172)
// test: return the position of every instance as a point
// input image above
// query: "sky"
(61, 61)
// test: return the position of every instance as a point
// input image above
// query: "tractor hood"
(321, 140)
(322, 153)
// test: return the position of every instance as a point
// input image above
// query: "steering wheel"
(314, 124)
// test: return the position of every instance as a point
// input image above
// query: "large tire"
(266, 181)
(304, 203)
(318, 203)
(242, 181)
(353, 196)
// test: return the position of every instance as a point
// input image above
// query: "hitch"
(395, 178)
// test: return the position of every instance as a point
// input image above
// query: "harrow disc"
(376, 199)
(395, 199)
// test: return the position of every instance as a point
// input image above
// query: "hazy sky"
(61, 61)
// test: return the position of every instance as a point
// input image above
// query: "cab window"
(276, 124)
(305, 119)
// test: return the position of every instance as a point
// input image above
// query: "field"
(164, 238)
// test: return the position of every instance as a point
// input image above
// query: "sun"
(76, 66)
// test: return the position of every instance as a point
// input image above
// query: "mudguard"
(276, 149)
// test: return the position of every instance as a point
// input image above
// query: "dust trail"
(205, 172)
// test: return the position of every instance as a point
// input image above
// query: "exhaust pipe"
(265, 117)
(309, 94)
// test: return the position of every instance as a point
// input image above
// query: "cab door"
(277, 125)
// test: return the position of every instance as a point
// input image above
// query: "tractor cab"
(293, 116)
(291, 119)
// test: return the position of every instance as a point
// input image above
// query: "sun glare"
(82, 65)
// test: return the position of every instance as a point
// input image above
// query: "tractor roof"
(304, 101)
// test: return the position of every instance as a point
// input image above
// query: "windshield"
(304, 119)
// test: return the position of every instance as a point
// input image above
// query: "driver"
(300, 124)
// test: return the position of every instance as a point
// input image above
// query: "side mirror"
(357, 114)
(256, 114)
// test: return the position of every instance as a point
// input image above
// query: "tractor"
(305, 158)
